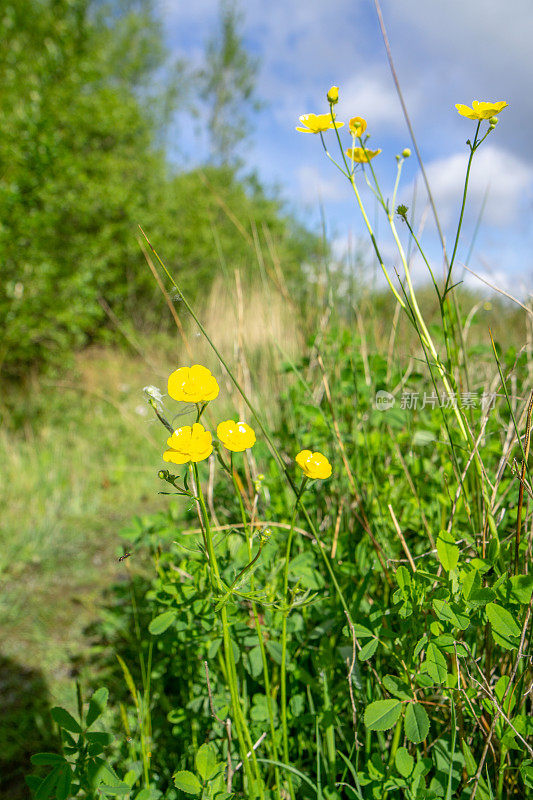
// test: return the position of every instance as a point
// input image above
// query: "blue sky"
(444, 52)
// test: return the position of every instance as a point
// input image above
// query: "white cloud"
(371, 94)
(315, 188)
(505, 179)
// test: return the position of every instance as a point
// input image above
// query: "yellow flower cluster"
(193, 443)
(196, 384)
(320, 123)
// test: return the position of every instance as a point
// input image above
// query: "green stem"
(286, 609)
(266, 674)
(243, 734)
(473, 148)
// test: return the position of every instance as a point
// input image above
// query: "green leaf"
(65, 720)
(368, 650)
(206, 761)
(382, 714)
(163, 621)
(63, 784)
(447, 551)
(404, 762)
(526, 771)
(416, 723)
(47, 758)
(480, 597)
(447, 612)
(48, 785)
(470, 761)
(97, 705)
(360, 631)
(403, 577)
(470, 580)
(187, 782)
(394, 685)
(114, 791)
(420, 645)
(522, 588)
(100, 737)
(502, 621)
(435, 663)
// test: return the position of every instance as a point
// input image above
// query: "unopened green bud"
(406, 152)
(493, 121)
(162, 474)
(402, 211)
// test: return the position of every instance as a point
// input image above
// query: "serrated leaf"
(501, 620)
(187, 782)
(97, 705)
(447, 551)
(361, 632)
(368, 650)
(394, 685)
(420, 645)
(403, 577)
(65, 720)
(450, 613)
(206, 761)
(470, 580)
(507, 642)
(480, 597)
(382, 714)
(416, 723)
(435, 663)
(404, 762)
(522, 588)
(163, 621)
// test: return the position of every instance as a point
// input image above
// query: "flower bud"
(402, 211)
(406, 152)
(493, 121)
(333, 95)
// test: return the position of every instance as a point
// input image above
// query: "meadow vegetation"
(300, 569)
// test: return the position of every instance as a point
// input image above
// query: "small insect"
(124, 557)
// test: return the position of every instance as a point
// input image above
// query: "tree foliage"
(80, 169)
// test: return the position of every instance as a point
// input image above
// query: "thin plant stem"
(286, 609)
(266, 673)
(243, 734)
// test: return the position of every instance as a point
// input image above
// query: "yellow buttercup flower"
(480, 109)
(193, 384)
(333, 95)
(314, 465)
(357, 126)
(189, 444)
(318, 123)
(361, 155)
(236, 436)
